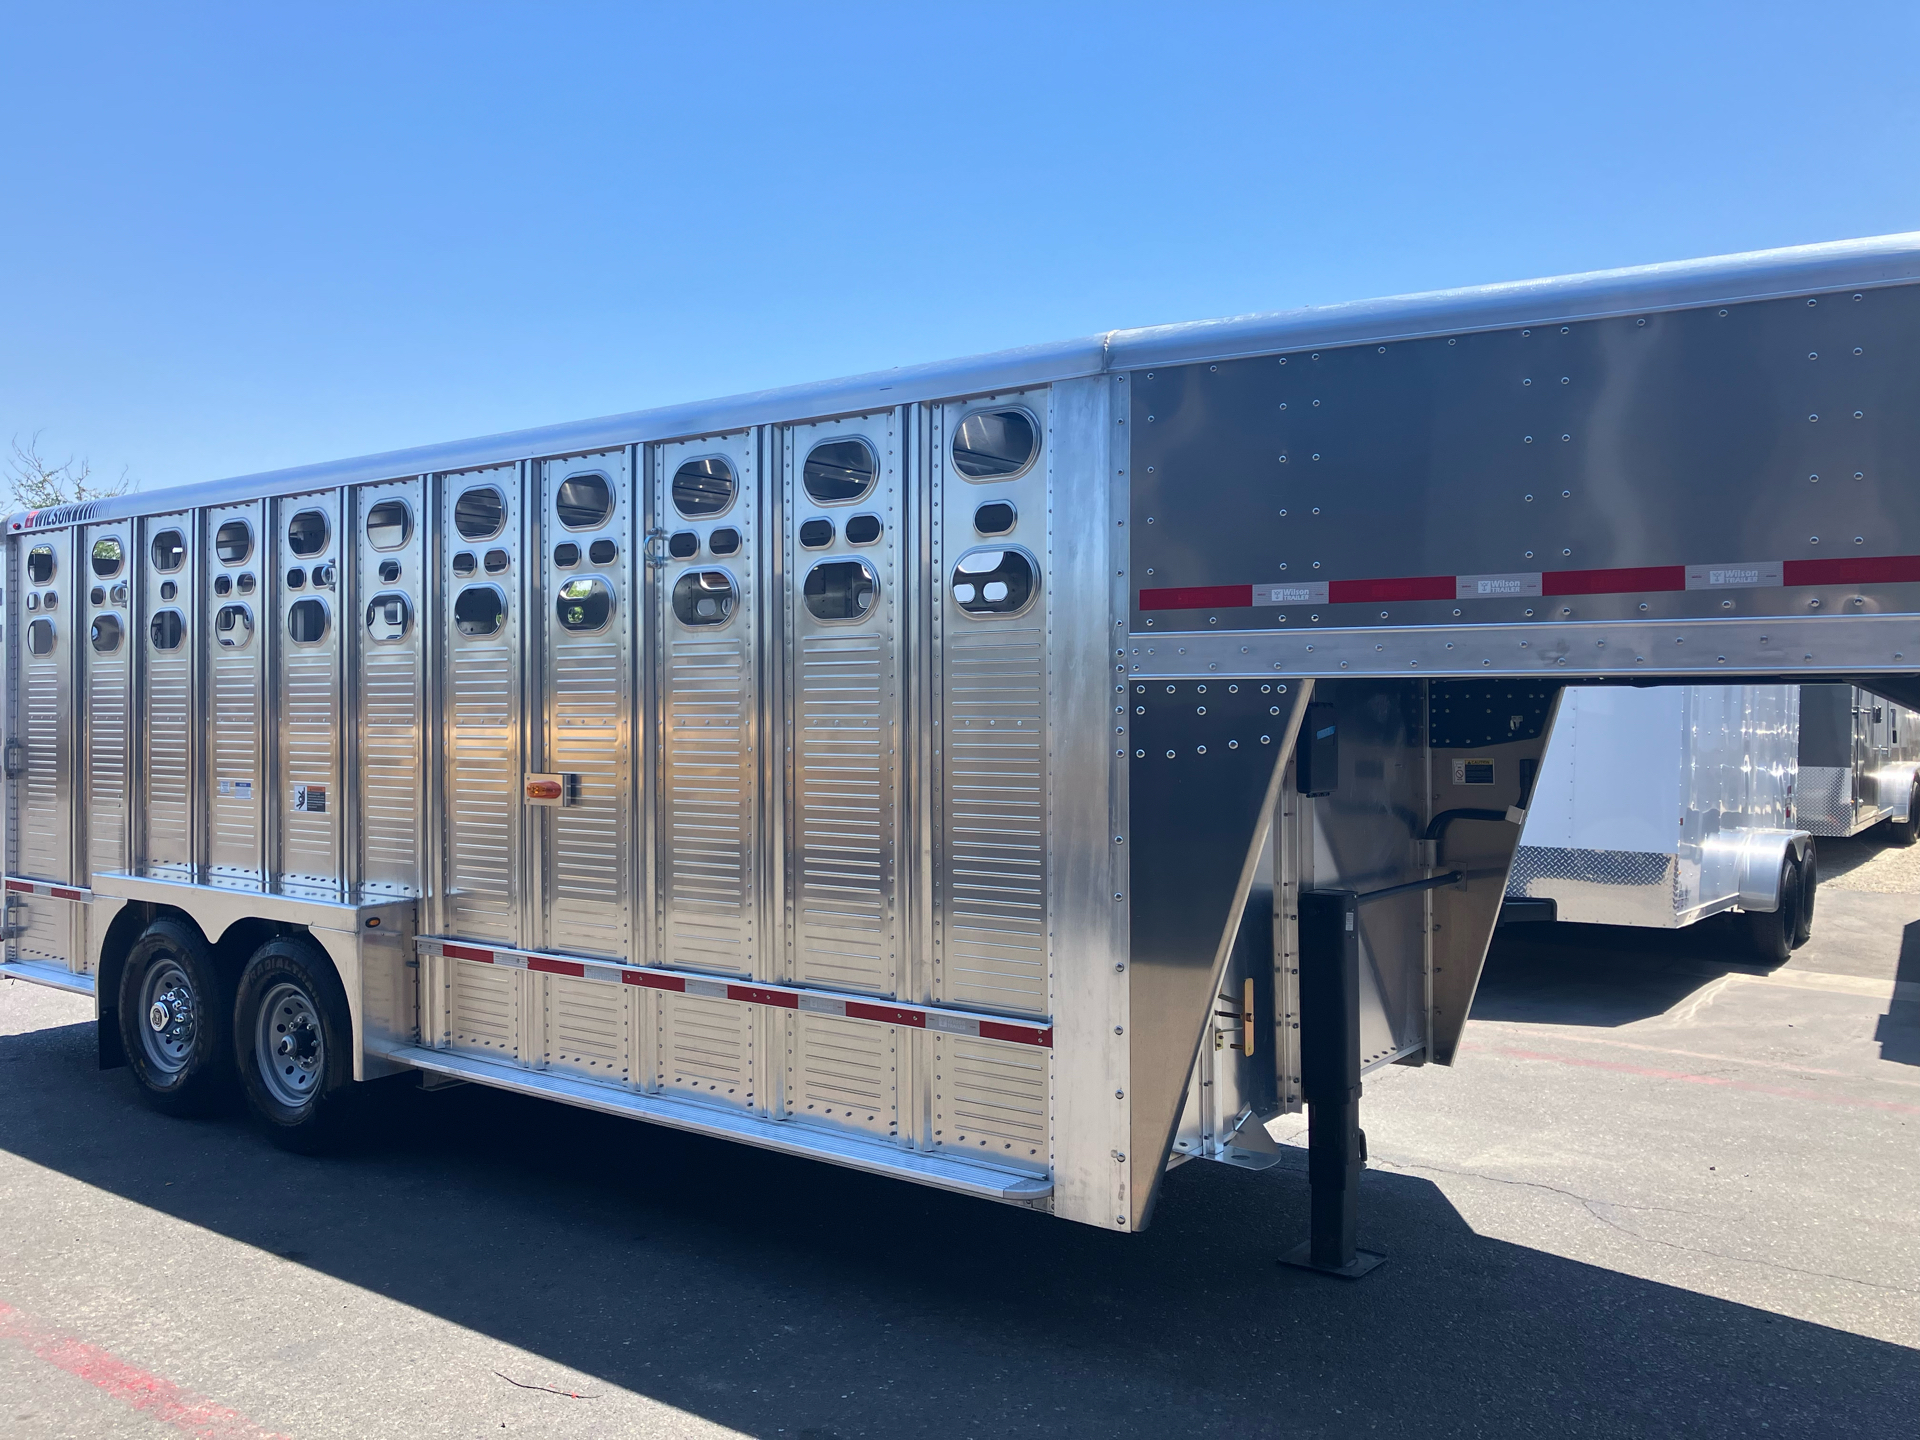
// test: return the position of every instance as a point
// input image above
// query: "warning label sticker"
(236, 789)
(1473, 772)
(310, 799)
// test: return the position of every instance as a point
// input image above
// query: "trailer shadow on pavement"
(1604, 975)
(773, 1295)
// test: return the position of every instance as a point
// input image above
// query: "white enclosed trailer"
(902, 771)
(1663, 806)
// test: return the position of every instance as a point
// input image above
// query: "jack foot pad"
(1364, 1261)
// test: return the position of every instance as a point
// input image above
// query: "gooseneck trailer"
(1016, 776)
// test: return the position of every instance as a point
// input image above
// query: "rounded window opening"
(703, 597)
(245, 583)
(994, 582)
(566, 556)
(223, 584)
(839, 471)
(583, 502)
(233, 626)
(233, 542)
(495, 562)
(479, 611)
(703, 487)
(683, 545)
(464, 563)
(996, 517)
(40, 564)
(863, 529)
(724, 541)
(166, 629)
(389, 525)
(308, 532)
(307, 622)
(585, 604)
(106, 633)
(169, 551)
(389, 617)
(816, 534)
(168, 589)
(40, 637)
(97, 595)
(389, 571)
(602, 552)
(296, 579)
(994, 444)
(480, 514)
(108, 557)
(840, 589)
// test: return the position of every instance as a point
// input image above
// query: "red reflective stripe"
(1614, 582)
(60, 892)
(555, 967)
(654, 982)
(891, 1014)
(1018, 1034)
(1417, 587)
(755, 995)
(20, 887)
(467, 952)
(1199, 597)
(1868, 570)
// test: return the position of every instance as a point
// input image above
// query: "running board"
(782, 1136)
(56, 977)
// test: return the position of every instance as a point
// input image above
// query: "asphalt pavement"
(1663, 1192)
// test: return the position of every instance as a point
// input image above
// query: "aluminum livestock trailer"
(1013, 776)
(1859, 754)
(1664, 806)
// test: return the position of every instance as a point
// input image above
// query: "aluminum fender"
(1754, 858)
(1895, 788)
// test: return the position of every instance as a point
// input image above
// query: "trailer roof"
(1755, 275)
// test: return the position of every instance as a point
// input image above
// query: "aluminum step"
(946, 1172)
(57, 977)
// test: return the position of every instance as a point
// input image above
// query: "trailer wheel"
(292, 1041)
(174, 1005)
(1907, 831)
(1770, 933)
(1809, 889)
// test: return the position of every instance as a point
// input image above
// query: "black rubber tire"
(1770, 933)
(315, 1122)
(1905, 833)
(1809, 892)
(202, 1081)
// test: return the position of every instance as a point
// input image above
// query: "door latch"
(16, 757)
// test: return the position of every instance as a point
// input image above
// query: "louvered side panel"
(43, 819)
(843, 822)
(707, 821)
(589, 908)
(992, 1101)
(390, 733)
(233, 752)
(705, 1049)
(169, 746)
(482, 792)
(589, 1027)
(310, 721)
(107, 761)
(993, 856)
(843, 1074)
(484, 1008)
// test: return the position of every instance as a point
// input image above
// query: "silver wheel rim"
(169, 1016)
(288, 1046)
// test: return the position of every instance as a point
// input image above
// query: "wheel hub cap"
(171, 1027)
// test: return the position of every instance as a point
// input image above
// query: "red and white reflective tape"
(786, 997)
(43, 887)
(1632, 580)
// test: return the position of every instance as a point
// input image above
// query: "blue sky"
(240, 237)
